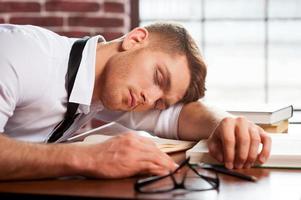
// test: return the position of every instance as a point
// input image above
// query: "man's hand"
(123, 156)
(235, 142)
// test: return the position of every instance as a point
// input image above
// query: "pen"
(223, 170)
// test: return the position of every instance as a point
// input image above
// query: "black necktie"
(73, 65)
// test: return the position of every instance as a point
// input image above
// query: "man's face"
(141, 79)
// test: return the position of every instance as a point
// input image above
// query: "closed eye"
(158, 78)
(162, 78)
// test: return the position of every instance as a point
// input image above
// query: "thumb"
(215, 149)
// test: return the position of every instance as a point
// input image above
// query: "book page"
(286, 145)
(108, 129)
(106, 132)
(165, 145)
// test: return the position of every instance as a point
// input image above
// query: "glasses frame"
(214, 182)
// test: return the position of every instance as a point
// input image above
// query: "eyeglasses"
(186, 176)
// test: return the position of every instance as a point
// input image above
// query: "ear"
(136, 38)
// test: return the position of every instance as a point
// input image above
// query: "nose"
(151, 95)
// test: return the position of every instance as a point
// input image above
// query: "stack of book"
(272, 118)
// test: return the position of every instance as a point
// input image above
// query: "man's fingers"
(228, 140)
(162, 159)
(156, 156)
(266, 146)
(144, 149)
(151, 168)
(242, 142)
(254, 145)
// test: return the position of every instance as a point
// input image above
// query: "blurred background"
(252, 48)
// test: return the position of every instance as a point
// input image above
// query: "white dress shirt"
(33, 97)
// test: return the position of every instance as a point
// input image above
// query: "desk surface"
(272, 184)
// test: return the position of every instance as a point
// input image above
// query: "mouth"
(131, 100)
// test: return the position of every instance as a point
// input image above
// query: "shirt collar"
(84, 82)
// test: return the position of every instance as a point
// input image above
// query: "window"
(252, 48)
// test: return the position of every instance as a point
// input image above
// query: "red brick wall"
(73, 18)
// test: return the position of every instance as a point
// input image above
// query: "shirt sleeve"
(8, 92)
(160, 123)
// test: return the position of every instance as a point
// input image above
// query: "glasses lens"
(206, 180)
(165, 184)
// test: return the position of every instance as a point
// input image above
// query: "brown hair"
(177, 40)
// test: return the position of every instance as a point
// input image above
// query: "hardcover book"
(285, 152)
(263, 114)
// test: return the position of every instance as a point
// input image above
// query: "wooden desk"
(272, 184)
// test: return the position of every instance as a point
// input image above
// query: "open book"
(106, 132)
(285, 152)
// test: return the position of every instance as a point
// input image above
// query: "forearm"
(22, 160)
(119, 157)
(198, 121)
